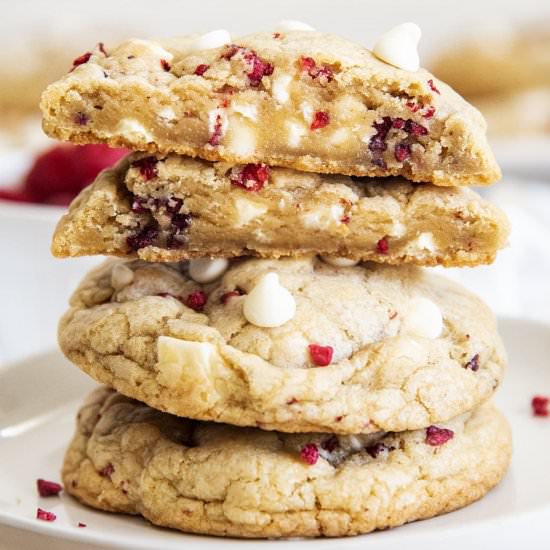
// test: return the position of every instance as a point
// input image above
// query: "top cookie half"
(304, 100)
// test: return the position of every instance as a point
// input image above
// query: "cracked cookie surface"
(216, 479)
(382, 376)
(306, 100)
(173, 208)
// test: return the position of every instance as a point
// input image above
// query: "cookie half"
(370, 348)
(304, 100)
(173, 208)
(217, 479)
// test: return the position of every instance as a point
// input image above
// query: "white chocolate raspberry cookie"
(298, 99)
(174, 208)
(216, 479)
(290, 345)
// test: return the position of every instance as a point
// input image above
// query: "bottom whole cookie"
(217, 479)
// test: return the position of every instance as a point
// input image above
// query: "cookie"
(331, 349)
(174, 208)
(215, 479)
(503, 61)
(304, 100)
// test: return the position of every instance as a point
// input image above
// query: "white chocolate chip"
(212, 39)
(279, 88)
(293, 25)
(121, 276)
(425, 241)
(247, 111)
(295, 133)
(338, 261)
(398, 229)
(323, 216)
(398, 47)
(206, 270)
(423, 318)
(339, 136)
(148, 47)
(167, 113)
(177, 358)
(248, 210)
(307, 111)
(134, 130)
(242, 139)
(269, 304)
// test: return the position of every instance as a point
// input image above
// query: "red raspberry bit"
(216, 136)
(147, 167)
(48, 488)
(377, 448)
(107, 471)
(310, 454)
(382, 246)
(539, 404)
(252, 177)
(473, 363)
(45, 516)
(142, 238)
(429, 112)
(259, 68)
(196, 300)
(165, 65)
(84, 58)
(402, 152)
(228, 295)
(307, 64)
(398, 123)
(292, 401)
(345, 219)
(339, 418)
(81, 118)
(433, 86)
(102, 49)
(80, 524)
(412, 106)
(438, 436)
(412, 127)
(321, 355)
(277, 35)
(201, 69)
(320, 120)
(330, 444)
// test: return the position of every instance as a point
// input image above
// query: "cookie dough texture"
(382, 377)
(303, 100)
(222, 480)
(293, 213)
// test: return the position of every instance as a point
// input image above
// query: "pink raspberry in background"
(61, 172)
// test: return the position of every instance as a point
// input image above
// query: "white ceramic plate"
(39, 397)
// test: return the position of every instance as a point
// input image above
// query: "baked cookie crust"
(173, 208)
(221, 480)
(382, 375)
(305, 100)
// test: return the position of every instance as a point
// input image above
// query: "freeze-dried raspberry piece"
(473, 363)
(196, 300)
(81, 59)
(378, 448)
(382, 246)
(433, 86)
(251, 177)
(539, 404)
(330, 444)
(321, 355)
(436, 436)
(48, 488)
(228, 295)
(320, 120)
(143, 238)
(402, 151)
(107, 470)
(201, 69)
(147, 167)
(165, 65)
(44, 515)
(321, 73)
(310, 454)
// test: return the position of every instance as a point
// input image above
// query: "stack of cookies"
(276, 360)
